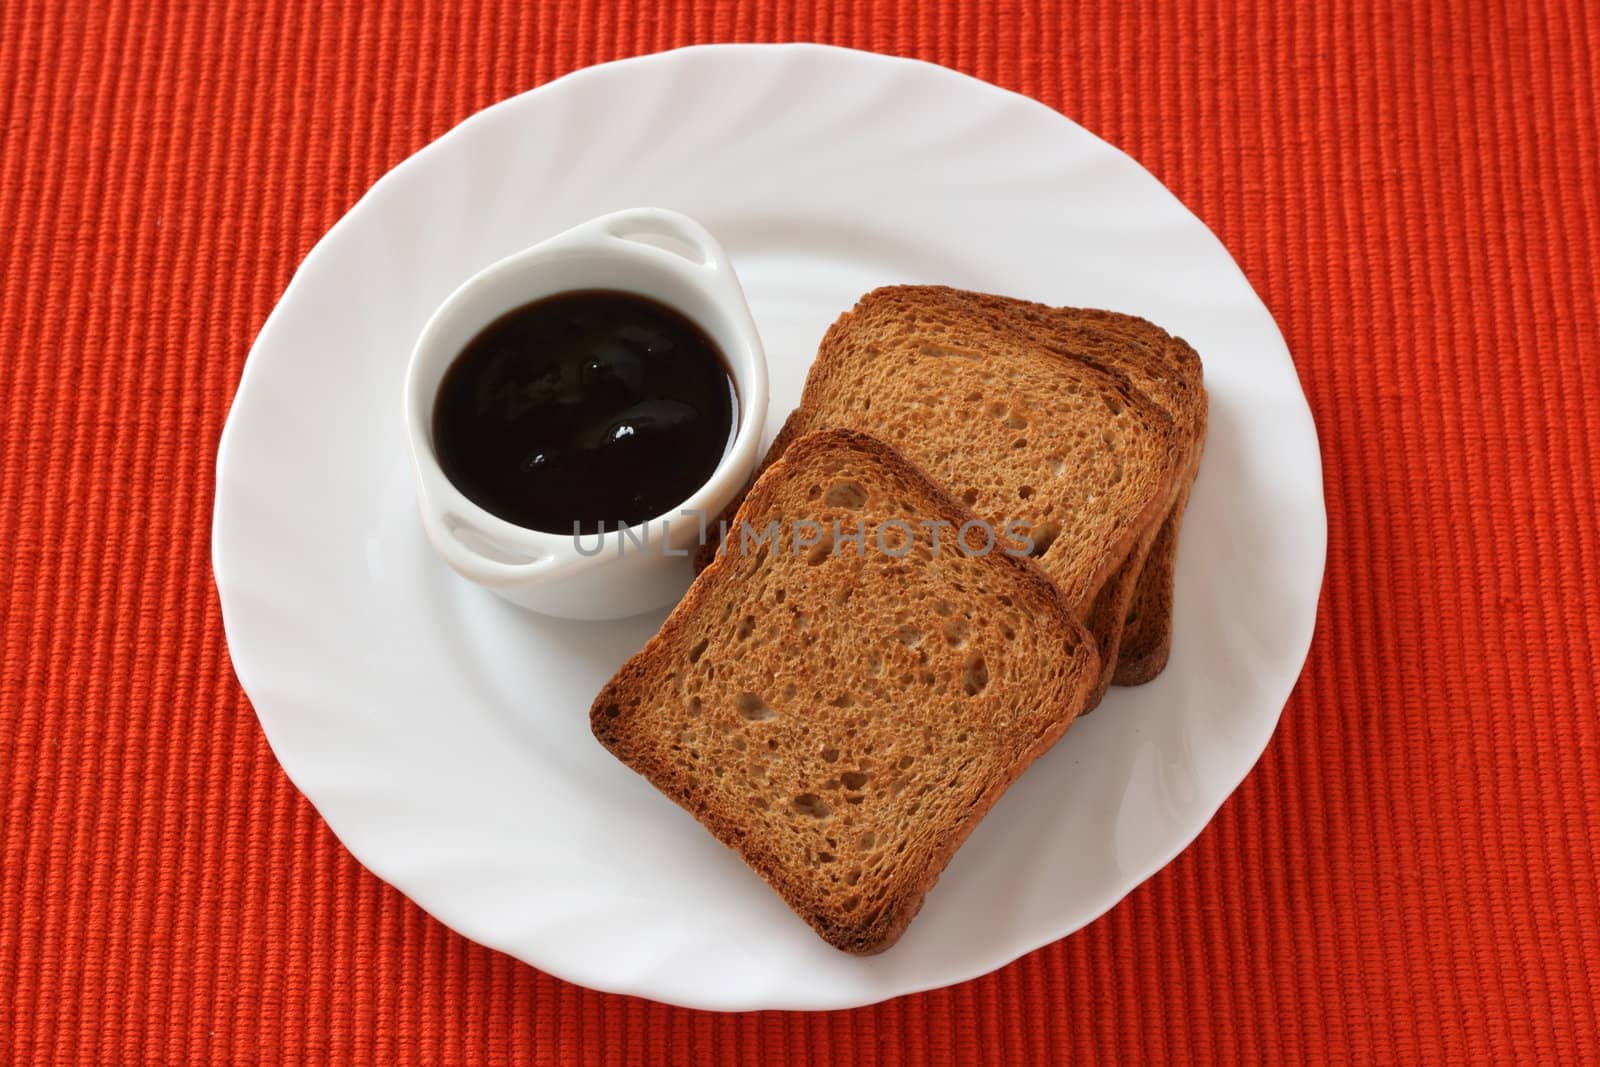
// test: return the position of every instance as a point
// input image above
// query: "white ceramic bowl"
(656, 253)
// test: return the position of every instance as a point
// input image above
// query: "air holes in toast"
(812, 805)
(752, 707)
(846, 495)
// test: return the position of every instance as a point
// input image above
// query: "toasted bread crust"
(1147, 629)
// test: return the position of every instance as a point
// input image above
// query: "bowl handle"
(478, 557)
(668, 233)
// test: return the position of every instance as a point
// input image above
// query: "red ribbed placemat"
(1411, 873)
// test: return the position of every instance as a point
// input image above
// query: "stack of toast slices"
(964, 534)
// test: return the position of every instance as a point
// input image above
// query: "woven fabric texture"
(1411, 874)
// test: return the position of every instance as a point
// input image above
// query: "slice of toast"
(844, 717)
(1023, 423)
(1168, 371)
(1147, 631)
(1136, 603)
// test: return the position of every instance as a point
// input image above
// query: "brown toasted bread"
(1025, 416)
(843, 718)
(1147, 633)
(1132, 615)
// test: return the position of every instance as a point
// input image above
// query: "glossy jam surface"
(587, 407)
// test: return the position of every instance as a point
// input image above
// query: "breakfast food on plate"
(1027, 413)
(1166, 369)
(841, 698)
(1147, 634)
(842, 714)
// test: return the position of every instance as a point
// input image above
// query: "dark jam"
(585, 408)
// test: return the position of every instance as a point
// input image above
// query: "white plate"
(444, 735)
